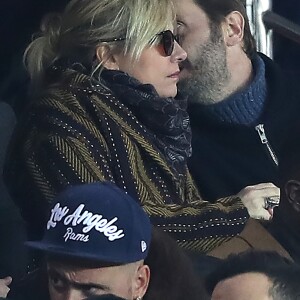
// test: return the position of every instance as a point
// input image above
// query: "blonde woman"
(104, 76)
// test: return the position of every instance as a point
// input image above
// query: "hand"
(4, 283)
(253, 197)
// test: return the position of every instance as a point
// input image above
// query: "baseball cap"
(96, 222)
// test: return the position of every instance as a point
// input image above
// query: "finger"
(271, 212)
(263, 185)
(258, 188)
(270, 192)
(262, 214)
(7, 280)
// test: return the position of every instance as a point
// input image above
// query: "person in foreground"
(104, 74)
(96, 247)
(241, 104)
(255, 275)
(99, 241)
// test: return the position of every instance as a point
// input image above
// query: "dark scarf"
(165, 118)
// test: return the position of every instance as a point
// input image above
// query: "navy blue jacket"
(226, 157)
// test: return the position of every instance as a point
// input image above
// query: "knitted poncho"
(80, 131)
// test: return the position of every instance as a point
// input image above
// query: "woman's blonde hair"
(85, 24)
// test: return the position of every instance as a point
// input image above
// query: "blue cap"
(96, 222)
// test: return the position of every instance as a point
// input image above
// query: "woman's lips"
(175, 75)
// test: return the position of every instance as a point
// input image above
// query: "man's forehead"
(62, 268)
(102, 276)
(241, 286)
(91, 269)
(73, 265)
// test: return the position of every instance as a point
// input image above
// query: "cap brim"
(71, 253)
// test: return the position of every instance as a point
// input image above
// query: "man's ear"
(141, 281)
(292, 191)
(107, 59)
(233, 28)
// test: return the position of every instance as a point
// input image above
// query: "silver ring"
(271, 202)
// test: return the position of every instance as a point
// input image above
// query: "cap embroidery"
(75, 237)
(92, 221)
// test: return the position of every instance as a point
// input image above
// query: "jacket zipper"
(261, 132)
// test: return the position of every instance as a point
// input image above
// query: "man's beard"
(209, 73)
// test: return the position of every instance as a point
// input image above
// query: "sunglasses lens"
(168, 42)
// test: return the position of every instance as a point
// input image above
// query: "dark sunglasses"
(167, 39)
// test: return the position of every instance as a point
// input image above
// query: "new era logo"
(143, 246)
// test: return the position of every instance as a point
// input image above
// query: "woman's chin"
(168, 94)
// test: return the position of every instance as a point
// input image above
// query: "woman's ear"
(292, 191)
(141, 281)
(233, 28)
(107, 59)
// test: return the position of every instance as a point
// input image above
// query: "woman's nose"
(178, 53)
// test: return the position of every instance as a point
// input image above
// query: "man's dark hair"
(217, 10)
(283, 273)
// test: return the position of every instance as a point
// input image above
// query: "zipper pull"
(261, 132)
